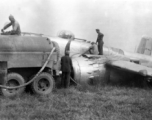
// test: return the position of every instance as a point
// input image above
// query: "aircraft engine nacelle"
(89, 71)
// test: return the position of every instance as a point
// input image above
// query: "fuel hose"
(38, 73)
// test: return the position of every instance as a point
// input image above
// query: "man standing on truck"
(66, 68)
(15, 25)
(100, 41)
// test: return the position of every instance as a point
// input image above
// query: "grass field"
(81, 103)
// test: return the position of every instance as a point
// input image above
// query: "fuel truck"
(27, 60)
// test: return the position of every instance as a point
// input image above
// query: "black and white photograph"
(76, 60)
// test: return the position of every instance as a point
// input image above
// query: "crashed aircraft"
(34, 59)
(115, 65)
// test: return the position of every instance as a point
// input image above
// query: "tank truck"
(27, 60)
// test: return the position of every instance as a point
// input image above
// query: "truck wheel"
(13, 79)
(43, 84)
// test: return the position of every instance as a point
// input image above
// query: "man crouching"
(15, 25)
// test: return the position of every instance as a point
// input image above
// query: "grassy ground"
(81, 103)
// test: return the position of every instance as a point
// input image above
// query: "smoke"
(123, 22)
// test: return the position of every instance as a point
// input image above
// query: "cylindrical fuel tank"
(89, 71)
(26, 51)
(13, 43)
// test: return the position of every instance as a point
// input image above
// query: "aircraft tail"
(145, 46)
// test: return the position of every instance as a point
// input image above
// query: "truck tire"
(43, 84)
(13, 79)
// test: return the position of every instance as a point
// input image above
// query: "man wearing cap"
(100, 41)
(15, 26)
(66, 68)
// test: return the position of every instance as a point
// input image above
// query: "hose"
(74, 81)
(55, 44)
(42, 68)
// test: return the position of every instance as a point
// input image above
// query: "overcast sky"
(123, 22)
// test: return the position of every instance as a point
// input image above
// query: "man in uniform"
(15, 26)
(66, 68)
(100, 41)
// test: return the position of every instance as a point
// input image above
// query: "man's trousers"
(100, 48)
(65, 82)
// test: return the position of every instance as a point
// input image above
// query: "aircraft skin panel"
(148, 47)
(147, 52)
(141, 47)
(76, 47)
(143, 59)
(149, 44)
(143, 70)
(145, 46)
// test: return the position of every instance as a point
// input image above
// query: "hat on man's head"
(67, 52)
(97, 30)
(11, 17)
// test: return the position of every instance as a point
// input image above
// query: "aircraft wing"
(137, 68)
